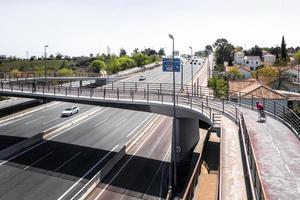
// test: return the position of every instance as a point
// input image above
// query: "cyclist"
(260, 108)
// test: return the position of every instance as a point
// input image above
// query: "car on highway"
(70, 111)
(142, 78)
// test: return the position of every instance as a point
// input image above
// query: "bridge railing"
(207, 105)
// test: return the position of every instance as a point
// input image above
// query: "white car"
(142, 78)
(70, 111)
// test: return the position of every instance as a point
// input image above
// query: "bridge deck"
(277, 152)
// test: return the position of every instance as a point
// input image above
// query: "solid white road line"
(21, 153)
(139, 125)
(101, 122)
(45, 156)
(157, 171)
(87, 173)
(121, 122)
(69, 160)
(18, 117)
(113, 178)
(35, 120)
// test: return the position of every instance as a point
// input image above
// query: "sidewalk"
(277, 152)
(232, 173)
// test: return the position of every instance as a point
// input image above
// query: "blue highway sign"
(168, 67)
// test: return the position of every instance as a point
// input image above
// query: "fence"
(207, 105)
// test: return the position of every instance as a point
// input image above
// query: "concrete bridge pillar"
(186, 138)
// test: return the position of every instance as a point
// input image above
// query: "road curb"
(84, 192)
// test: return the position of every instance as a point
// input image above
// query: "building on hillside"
(293, 98)
(269, 59)
(250, 91)
(242, 69)
(239, 58)
(252, 61)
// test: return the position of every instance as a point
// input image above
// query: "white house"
(269, 59)
(239, 58)
(252, 61)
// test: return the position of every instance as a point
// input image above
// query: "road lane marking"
(100, 122)
(121, 122)
(18, 117)
(157, 171)
(35, 120)
(69, 160)
(45, 156)
(87, 173)
(139, 125)
(131, 156)
(50, 121)
(19, 154)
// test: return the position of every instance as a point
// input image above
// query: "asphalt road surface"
(56, 168)
(143, 173)
(29, 125)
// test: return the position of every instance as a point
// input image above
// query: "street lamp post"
(192, 71)
(173, 147)
(45, 59)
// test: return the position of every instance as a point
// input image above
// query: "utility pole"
(45, 59)
(192, 71)
(173, 148)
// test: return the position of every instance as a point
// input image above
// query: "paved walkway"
(232, 174)
(277, 151)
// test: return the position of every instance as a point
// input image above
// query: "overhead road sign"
(168, 66)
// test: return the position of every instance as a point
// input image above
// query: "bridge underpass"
(187, 106)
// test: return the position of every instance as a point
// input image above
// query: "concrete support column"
(187, 136)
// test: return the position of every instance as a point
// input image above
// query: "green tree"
(126, 63)
(223, 50)
(122, 52)
(219, 86)
(161, 52)
(208, 49)
(97, 66)
(65, 72)
(140, 59)
(255, 51)
(284, 55)
(297, 57)
(234, 74)
(113, 65)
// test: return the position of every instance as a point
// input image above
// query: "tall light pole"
(173, 147)
(45, 59)
(192, 71)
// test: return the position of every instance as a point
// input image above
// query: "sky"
(81, 27)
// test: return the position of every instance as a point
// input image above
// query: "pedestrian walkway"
(232, 173)
(277, 150)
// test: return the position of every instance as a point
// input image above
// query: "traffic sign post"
(168, 66)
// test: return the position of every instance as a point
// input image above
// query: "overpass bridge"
(271, 149)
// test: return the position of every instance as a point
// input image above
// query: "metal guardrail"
(207, 105)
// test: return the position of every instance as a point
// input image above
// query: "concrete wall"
(187, 137)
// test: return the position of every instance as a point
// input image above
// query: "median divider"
(93, 182)
(45, 135)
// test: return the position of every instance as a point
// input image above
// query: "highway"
(31, 124)
(68, 159)
(143, 173)
(64, 161)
